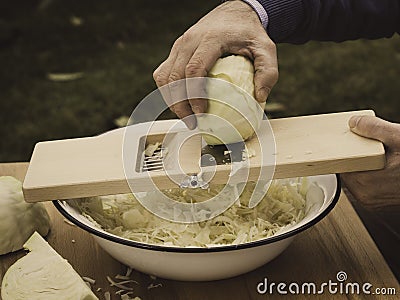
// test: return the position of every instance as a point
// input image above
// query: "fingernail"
(353, 121)
(190, 122)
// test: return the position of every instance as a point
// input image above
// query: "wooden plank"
(339, 242)
(308, 145)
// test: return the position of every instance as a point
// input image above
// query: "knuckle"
(274, 74)
(211, 35)
(177, 42)
(376, 126)
(270, 44)
(266, 45)
(195, 67)
(269, 74)
(187, 36)
(160, 77)
(155, 74)
(174, 76)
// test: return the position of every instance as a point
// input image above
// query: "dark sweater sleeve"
(299, 21)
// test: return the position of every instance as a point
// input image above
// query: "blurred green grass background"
(118, 45)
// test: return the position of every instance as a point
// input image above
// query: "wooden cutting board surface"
(339, 242)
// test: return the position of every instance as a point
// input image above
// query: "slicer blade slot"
(151, 159)
(154, 162)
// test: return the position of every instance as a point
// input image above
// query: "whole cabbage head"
(18, 219)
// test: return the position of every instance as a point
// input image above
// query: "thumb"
(377, 129)
(265, 73)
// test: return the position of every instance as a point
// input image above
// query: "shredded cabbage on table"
(283, 205)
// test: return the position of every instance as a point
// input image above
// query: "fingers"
(376, 128)
(377, 189)
(360, 191)
(171, 74)
(266, 71)
(374, 189)
(161, 74)
(184, 112)
(217, 33)
(196, 91)
(196, 70)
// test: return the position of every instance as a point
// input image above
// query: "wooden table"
(339, 242)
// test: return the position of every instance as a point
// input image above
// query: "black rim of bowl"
(269, 240)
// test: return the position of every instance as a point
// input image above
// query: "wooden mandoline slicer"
(114, 162)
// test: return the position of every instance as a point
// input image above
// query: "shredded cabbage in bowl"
(283, 206)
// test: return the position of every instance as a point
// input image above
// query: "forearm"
(298, 21)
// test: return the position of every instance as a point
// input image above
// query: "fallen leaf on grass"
(59, 77)
(121, 121)
(274, 107)
(76, 21)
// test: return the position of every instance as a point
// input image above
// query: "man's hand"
(377, 189)
(231, 28)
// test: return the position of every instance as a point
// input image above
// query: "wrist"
(258, 9)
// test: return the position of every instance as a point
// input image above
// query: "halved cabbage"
(19, 219)
(43, 275)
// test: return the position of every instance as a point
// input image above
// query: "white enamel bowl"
(203, 264)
